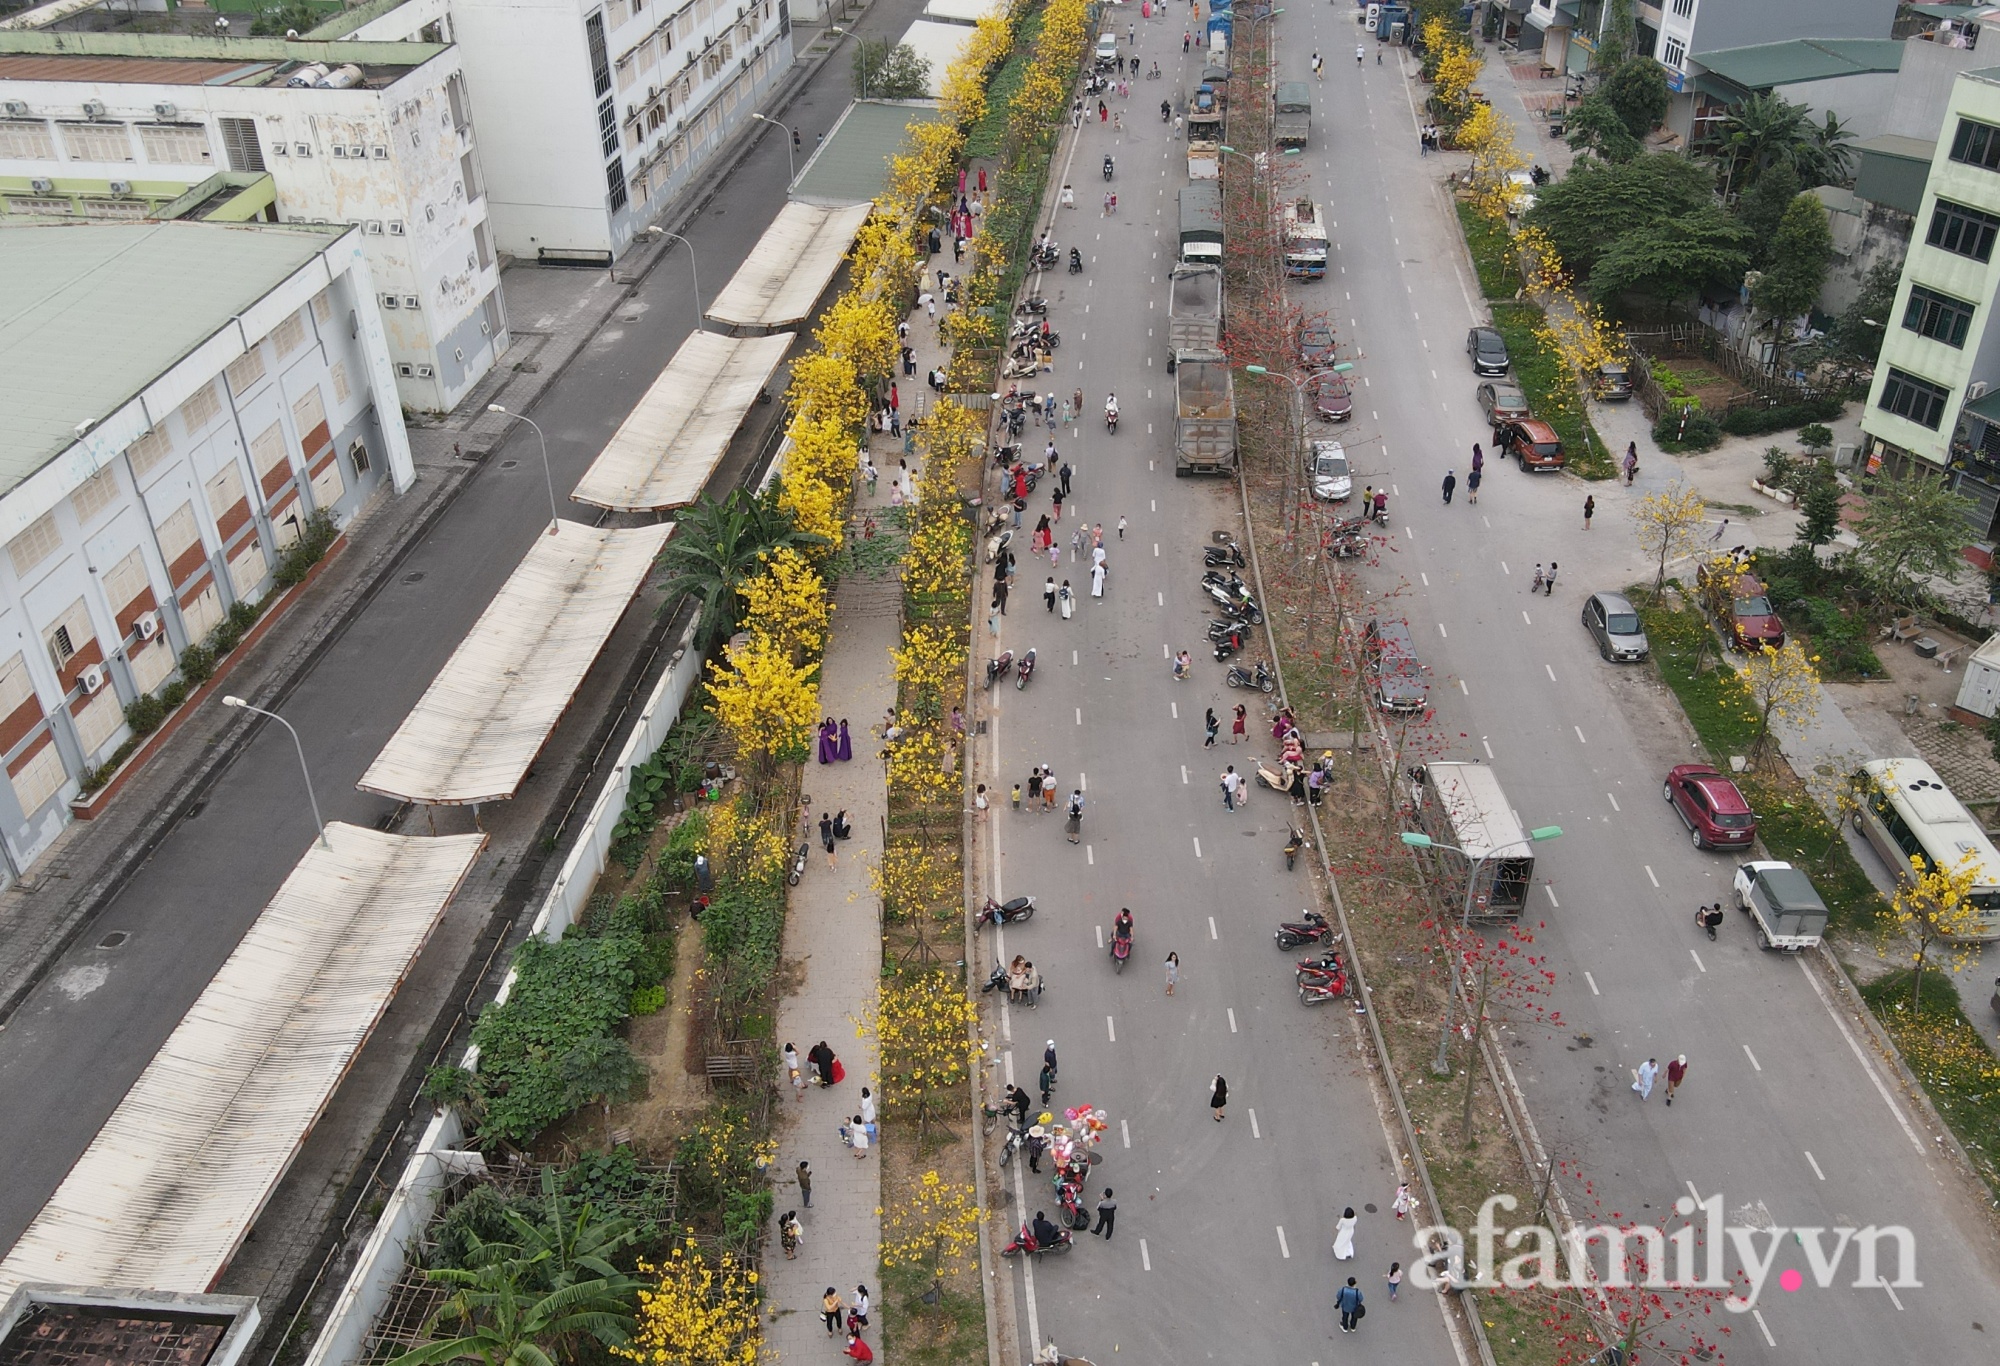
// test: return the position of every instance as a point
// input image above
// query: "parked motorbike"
(1310, 928)
(998, 542)
(1030, 330)
(1232, 584)
(1024, 670)
(1024, 1241)
(1347, 547)
(998, 666)
(1228, 555)
(1047, 254)
(1277, 779)
(1293, 845)
(1021, 908)
(1021, 367)
(1121, 950)
(1262, 680)
(1237, 600)
(1223, 629)
(1035, 304)
(1319, 993)
(1017, 1137)
(1229, 645)
(799, 864)
(1240, 613)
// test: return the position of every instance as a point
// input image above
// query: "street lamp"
(1418, 840)
(790, 138)
(693, 272)
(864, 54)
(547, 473)
(237, 702)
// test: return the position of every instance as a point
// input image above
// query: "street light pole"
(237, 702)
(1417, 840)
(693, 271)
(547, 473)
(864, 53)
(790, 162)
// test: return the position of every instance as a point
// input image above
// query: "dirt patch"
(1703, 381)
(675, 1093)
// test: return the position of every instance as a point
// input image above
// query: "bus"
(1462, 805)
(1305, 239)
(1907, 812)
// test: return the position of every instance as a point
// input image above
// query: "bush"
(1763, 421)
(649, 1000)
(145, 714)
(175, 693)
(1698, 432)
(1815, 437)
(197, 665)
(315, 538)
(243, 615)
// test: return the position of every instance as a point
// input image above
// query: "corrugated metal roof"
(853, 163)
(484, 718)
(664, 452)
(132, 70)
(1470, 795)
(784, 275)
(940, 45)
(169, 1187)
(92, 313)
(1764, 65)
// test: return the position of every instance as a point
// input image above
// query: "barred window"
(97, 142)
(1963, 231)
(1916, 399)
(149, 450)
(176, 144)
(26, 140)
(1938, 316)
(36, 543)
(94, 495)
(245, 370)
(200, 410)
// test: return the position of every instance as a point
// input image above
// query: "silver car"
(1614, 622)
(1332, 480)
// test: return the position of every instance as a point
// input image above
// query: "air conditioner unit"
(41, 185)
(92, 680)
(165, 113)
(93, 109)
(148, 625)
(121, 187)
(1977, 389)
(16, 108)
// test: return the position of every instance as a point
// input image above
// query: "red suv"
(1713, 809)
(1533, 442)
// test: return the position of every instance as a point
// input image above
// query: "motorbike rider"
(1166, 111)
(1107, 165)
(1111, 408)
(1044, 1233)
(1121, 927)
(1075, 260)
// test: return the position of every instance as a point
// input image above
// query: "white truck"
(1784, 910)
(1305, 239)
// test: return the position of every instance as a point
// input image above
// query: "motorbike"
(1262, 680)
(1016, 1138)
(1319, 993)
(1232, 582)
(1024, 670)
(799, 858)
(1245, 607)
(1111, 418)
(1075, 261)
(998, 542)
(1380, 515)
(1024, 1241)
(1035, 304)
(1347, 547)
(1021, 367)
(1311, 928)
(1229, 645)
(1047, 253)
(1166, 112)
(1293, 845)
(1107, 168)
(1327, 966)
(996, 980)
(1223, 629)
(1021, 908)
(1277, 779)
(1074, 1212)
(1031, 331)
(1228, 555)
(1121, 950)
(998, 666)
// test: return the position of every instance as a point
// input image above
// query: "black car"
(1612, 382)
(1315, 346)
(1488, 350)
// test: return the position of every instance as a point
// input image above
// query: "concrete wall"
(1924, 85)
(1862, 101)
(1864, 234)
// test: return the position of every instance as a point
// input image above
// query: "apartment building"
(180, 397)
(1933, 404)
(1672, 31)
(379, 136)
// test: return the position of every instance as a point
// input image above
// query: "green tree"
(1596, 127)
(1637, 90)
(500, 1322)
(1829, 160)
(1856, 335)
(1588, 210)
(603, 1071)
(274, 21)
(563, 1242)
(1671, 258)
(1913, 528)
(1765, 130)
(1819, 507)
(891, 71)
(716, 547)
(1801, 250)
(1761, 207)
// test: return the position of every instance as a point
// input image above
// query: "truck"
(1305, 239)
(1201, 222)
(1784, 910)
(1204, 135)
(1204, 414)
(1293, 123)
(1491, 862)
(1194, 311)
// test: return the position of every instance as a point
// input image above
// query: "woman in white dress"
(1066, 601)
(1343, 1236)
(1097, 580)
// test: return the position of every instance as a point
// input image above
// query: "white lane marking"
(1649, 874)
(1232, 1019)
(1197, 846)
(1166, 650)
(1283, 1247)
(1442, 631)
(1463, 689)
(1072, 659)
(1079, 716)
(1211, 929)
(1551, 672)
(1090, 855)
(1526, 619)
(1552, 896)
(1425, 577)
(1854, 1045)
(1579, 735)
(1697, 960)
(1156, 550)
(1593, 984)
(1255, 1132)
(1184, 775)
(1083, 784)
(1111, 1028)
(1614, 802)
(1758, 1315)
(1504, 569)
(1100, 936)
(1145, 1261)
(1753, 1058)
(1162, 597)
(1815, 1166)
(1125, 1132)
(1175, 708)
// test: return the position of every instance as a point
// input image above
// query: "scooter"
(1121, 949)
(1024, 670)
(1223, 630)
(1262, 680)
(1075, 261)
(1238, 612)
(1311, 928)
(998, 542)
(1326, 968)
(998, 667)
(1047, 254)
(1021, 908)
(1017, 1138)
(1293, 845)
(799, 864)
(1033, 305)
(1024, 1241)
(1230, 645)
(1166, 110)
(1347, 547)
(1021, 367)
(1277, 779)
(1107, 168)
(1231, 583)
(1319, 993)
(1228, 555)
(1111, 418)
(1380, 514)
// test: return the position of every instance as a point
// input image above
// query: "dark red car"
(1710, 805)
(1331, 400)
(1739, 601)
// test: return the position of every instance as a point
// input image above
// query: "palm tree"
(502, 1324)
(1829, 155)
(715, 548)
(566, 1242)
(1763, 130)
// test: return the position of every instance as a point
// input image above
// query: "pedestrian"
(1631, 460)
(1187, 41)
(1097, 579)
(1720, 532)
(1677, 1072)
(870, 473)
(1348, 1301)
(1536, 586)
(1173, 971)
(1075, 544)
(1035, 787)
(1057, 499)
(1047, 1081)
(857, 1308)
(1232, 788)
(1395, 1279)
(857, 1133)
(822, 1059)
(1018, 1099)
(856, 1348)
(1209, 727)
(1549, 584)
(1017, 797)
(1450, 483)
(1000, 597)
(1068, 197)
(829, 1309)
(1238, 726)
(1589, 509)
(1218, 1097)
(1075, 823)
(1049, 1056)
(1183, 665)
(1404, 1202)
(1642, 1080)
(1049, 783)
(1049, 593)
(1062, 474)
(1066, 600)
(1478, 458)
(1472, 486)
(826, 837)
(790, 1055)
(1037, 1143)
(1121, 526)
(979, 808)
(1103, 112)
(993, 622)
(1343, 1236)
(1107, 1215)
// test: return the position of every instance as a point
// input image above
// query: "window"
(96, 142)
(149, 450)
(1963, 231)
(240, 145)
(607, 127)
(38, 777)
(323, 307)
(26, 140)
(178, 534)
(1976, 144)
(175, 144)
(69, 633)
(614, 180)
(482, 244)
(267, 451)
(287, 335)
(1938, 316)
(245, 370)
(247, 569)
(454, 92)
(338, 374)
(225, 491)
(39, 541)
(470, 174)
(99, 720)
(1917, 399)
(94, 495)
(125, 581)
(204, 614)
(15, 685)
(1674, 53)
(1684, 8)
(200, 410)
(358, 453)
(150, 663)
(600, 60)
(43, 207)
(328, 485)
(308, 415)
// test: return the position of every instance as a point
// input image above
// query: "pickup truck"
(1784, 910)
(1194, 311)
(1292, 124)
(1204, 414)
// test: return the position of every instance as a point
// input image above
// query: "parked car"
(1332, 480)
(1784, 910)
(1533, 442)
(1739, 603)
(1614, 623)
(1711, 807)
(1315, 346)
(1501, 403)
(1488, 350)
(1398, 679)
(1612, 382)
(1330, 397)
(1107, 50)
(1520, 193)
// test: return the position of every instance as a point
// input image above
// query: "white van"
(1907, 812)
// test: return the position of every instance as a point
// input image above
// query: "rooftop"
(95, 312)
(186, 59)
(853, 163)
(1764, 65)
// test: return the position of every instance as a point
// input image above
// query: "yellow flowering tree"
(1779, 684)
(933, 1225)
(918, 883)
(787, 605)
(1489, 137)
(1669, 524)
(696, 1312)
(767, 703)
(930, 666)
(1935, 907)
(827, 388)
(862, 332)
(924, 1031)
(744, 844)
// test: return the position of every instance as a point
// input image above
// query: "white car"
(1333, 482)
(1520, 192)
(1107, 49)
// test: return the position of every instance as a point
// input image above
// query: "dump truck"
(1293, 123)
(1201, 222)
(1204, 135)
(1204, 414)
(1194, 311)
(1305, 239)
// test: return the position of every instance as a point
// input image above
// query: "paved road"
(75, 1046)
(1783, 1119)
(1225, 1230)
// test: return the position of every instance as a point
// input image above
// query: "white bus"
(1462, 805)
(1907, 812)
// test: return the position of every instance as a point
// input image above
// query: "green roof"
(1986, 408)
(853, 163)
(95, 312)
(1764, 65)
